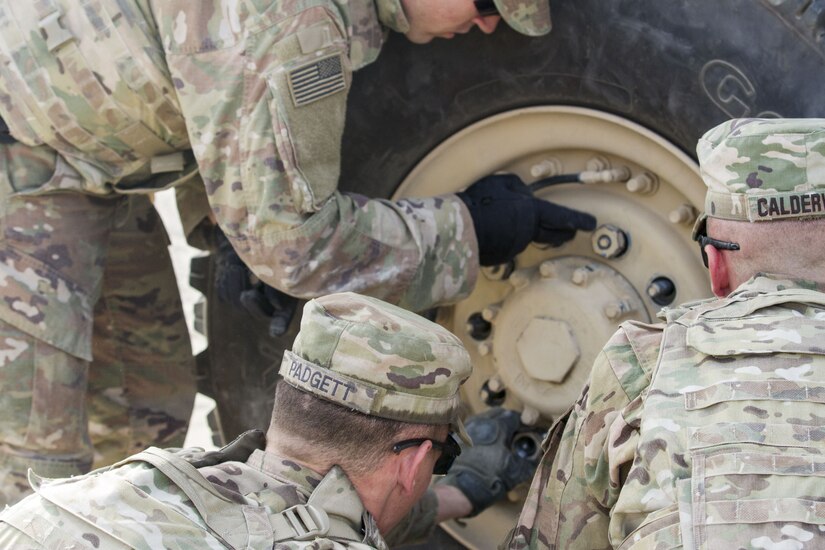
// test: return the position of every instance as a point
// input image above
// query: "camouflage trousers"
(95, 359)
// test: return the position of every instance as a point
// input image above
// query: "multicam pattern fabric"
(717, 444)
(530, 17)
(119, 88)
(134, 505)
(95, 361)
(764, 169)
(377, 358)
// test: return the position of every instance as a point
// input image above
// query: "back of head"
(367, 370)
(766, 192)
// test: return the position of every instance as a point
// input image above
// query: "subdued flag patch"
(317, 80)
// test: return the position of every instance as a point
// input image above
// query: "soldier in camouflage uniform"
(706, 431)
(108, 100)
(363, 417)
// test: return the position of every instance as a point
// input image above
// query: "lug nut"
(492, 398)
(684, 214)
(662, 291)
(618, 309)
(530, 416)
(597, 164)
(580, 276)
(644, 183)
(499, 272)
(484, 348)
(477, 327)
(519, 279)
(548, 269)
(609, 241)
(495, 384)
(489, 313)
(546, 168)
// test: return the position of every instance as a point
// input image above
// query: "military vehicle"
(619, 92)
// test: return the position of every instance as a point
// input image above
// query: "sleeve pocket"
(308, 106)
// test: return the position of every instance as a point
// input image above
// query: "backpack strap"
(247, 526)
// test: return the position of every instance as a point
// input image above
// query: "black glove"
(234, 284)
(266, 303)
(507, 217)
(488, 469)
(232, 277)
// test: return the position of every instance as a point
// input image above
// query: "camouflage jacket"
(128, 91)
(704, 432)
(265, 502)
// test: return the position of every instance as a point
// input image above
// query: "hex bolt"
(609, 241)
(477, 327)
(548, 269)
(643, 184)
(616, 310)
(530, 416)
(597, 164)
(489, 313)
(580, 276)
(683, 214)
(546, 168)
(613, 175)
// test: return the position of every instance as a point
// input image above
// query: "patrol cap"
(763, 169)
(378, 359)
(530, 17)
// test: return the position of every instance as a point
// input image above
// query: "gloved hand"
(267, 303)
(507, 217)
(234, 285)
(232, 277)
(237, 450)
(488, 469)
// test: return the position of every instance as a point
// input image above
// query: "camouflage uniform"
(114, 97)
(351, 350)
(705, 431)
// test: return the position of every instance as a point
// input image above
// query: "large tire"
(674, 68)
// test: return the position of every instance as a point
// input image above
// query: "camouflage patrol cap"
(530, 17)
(378, 359)
(763, 169)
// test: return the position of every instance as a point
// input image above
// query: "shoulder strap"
(237, 525)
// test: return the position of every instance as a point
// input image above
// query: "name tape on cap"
(786, 205)
(327, 384)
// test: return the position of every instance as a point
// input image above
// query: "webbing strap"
(240, 526)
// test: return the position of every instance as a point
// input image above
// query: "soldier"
(107, 101)
(365, 414)
(705, 431)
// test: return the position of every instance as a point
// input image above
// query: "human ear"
(409, 466)
(719, 271)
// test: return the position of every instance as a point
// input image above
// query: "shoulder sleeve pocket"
(308, 105)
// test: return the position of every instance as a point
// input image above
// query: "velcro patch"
(317, 80)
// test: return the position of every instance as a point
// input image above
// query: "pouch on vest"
(757, 462)
(308, 107)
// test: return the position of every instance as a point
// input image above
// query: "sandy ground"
(199, 433)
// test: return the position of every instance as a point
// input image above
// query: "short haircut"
(346, 437)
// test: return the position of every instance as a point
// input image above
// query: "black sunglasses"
(486, 8)
(704, 240)
(449, 448)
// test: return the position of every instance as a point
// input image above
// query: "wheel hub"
(539, 327)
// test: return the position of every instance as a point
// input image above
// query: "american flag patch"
(316, 80)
